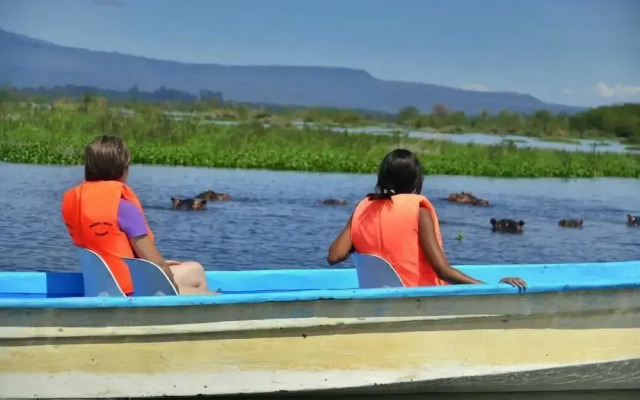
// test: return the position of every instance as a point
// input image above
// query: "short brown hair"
(106, 159)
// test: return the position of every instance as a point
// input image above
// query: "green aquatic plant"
(59, 137)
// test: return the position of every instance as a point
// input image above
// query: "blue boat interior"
(21, 289)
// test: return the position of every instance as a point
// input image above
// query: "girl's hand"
(515, 282)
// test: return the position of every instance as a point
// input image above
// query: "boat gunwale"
(304, 295)
(14, 296)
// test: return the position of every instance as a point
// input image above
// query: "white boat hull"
(606, 376)
(575, 340)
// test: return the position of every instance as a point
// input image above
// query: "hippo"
(507, 226)
(633, 221)
(467, 198)
(334, 202)
(570, 223)
(188, 204)
(210, 195)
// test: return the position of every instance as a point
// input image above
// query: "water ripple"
(274, 219)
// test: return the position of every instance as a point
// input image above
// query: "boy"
(104, 215)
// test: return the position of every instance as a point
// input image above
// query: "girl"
(104, 215)
(400, 225)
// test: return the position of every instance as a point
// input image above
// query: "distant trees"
(133, 94)
(8, 93)
(622, 121)
(542, 119)
(332, 115)
(440, 111)
(210, 96)
(406, 114)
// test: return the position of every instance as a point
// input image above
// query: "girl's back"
(400, 225)
(388, 228)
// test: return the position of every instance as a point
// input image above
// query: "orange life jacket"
(90, 212)
(389, 229)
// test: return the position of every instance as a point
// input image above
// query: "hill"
(28, 62)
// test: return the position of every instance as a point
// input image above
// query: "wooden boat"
(273, 331)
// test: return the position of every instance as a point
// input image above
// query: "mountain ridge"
(32, 62)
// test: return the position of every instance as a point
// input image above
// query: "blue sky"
(580, 52)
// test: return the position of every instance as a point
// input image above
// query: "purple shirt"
(131, 220)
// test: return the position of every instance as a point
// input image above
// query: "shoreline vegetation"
(59, 137)
(38, 129)
(620, 122)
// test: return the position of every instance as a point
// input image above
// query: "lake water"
(581, 145)
(274, 219)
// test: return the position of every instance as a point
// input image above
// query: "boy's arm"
(132, 223)
(146, 249)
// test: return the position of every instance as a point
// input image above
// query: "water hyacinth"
(59, 137)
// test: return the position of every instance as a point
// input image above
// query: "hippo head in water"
(467, 198)
(334, 202)
(507, 225)
(570, 223)
(633, 221)
(210, 195)
(188, 204)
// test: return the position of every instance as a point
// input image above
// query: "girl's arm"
(342, 247)
(435, 255)
(429, 242)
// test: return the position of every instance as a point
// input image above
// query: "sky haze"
(578, 52)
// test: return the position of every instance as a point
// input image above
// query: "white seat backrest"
(149, 279)
(375, 272)
(97, 277)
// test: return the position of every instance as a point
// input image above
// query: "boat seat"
(149, 279)
(97, 277)
(375, 272)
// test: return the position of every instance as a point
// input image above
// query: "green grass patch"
(59, 137)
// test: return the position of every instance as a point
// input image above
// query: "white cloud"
(568, 92)
(478, 87)
(618, 90)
